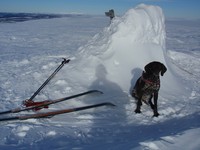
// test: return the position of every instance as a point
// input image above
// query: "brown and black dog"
(148, 85)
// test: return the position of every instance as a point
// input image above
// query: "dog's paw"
(137, 111)
(156, 114)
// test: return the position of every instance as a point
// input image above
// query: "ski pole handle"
(65, 61)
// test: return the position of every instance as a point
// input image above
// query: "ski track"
(30, 52)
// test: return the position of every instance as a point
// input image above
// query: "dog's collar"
(147, 81)
(150, 81)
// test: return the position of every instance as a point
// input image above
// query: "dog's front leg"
(150, 102)
(139, 104)
(155, 109)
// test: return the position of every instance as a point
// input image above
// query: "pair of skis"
(53, 113)
(31, 105)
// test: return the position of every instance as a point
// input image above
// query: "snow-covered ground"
(106, 57)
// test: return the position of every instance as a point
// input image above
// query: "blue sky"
(171, 8)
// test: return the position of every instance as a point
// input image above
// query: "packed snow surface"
(108, 57)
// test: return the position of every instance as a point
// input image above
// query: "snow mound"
(121, 51)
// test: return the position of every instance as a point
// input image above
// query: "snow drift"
(126, 46)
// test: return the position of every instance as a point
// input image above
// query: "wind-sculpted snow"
(106, 57)
(127, 45)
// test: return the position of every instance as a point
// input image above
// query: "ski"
(53, 113)
(45, 104)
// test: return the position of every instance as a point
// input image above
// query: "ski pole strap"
(50, 77)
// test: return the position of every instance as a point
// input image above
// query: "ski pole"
(50, 77)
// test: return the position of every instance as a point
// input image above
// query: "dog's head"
(155, 68)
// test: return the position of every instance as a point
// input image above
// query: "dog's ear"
(163, 70)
